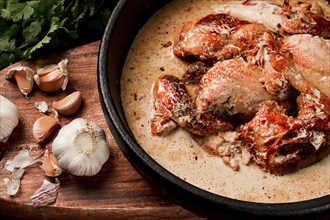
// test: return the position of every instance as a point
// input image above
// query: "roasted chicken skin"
(208, 38)
(174, 107)
(305, 18)
(255, 42)
(280, 143)
(195, 72)
(311, 56)
(218, 37)
(262, 77)
(285, 19)
(232, 86)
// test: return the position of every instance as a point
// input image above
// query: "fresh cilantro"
(28, 28)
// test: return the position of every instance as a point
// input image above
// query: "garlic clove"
(9, 118)
(53, 77)
(51, 82)
(50, 164)
(69, 104)
(81, 147)
(24, 78)
(47, 69)
(43, 127)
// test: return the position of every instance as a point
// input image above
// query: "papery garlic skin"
(9, 118)
(13, 184)
(41, 106)
(81, 147)
(46, 194)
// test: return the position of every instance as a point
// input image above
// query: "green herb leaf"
(31, 32)
(31, 27)
(54, 25)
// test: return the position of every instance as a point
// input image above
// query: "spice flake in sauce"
(151, 56)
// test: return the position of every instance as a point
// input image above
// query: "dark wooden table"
(118, 191)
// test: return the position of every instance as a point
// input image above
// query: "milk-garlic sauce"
(150, 56)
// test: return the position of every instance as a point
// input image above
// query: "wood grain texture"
(118, 191)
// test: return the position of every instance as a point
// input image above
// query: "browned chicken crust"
(258, 90)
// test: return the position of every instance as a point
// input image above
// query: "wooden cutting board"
(118, 191)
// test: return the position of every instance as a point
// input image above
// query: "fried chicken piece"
(280, 143)
(312, 59)
(283, 19)
(172, 103)
(219, 37)
(305, 18)
(208, 38)
(195, 72)
(255, 42)
(266, 13)
(232, 86)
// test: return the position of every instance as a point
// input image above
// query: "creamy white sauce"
(147, 60)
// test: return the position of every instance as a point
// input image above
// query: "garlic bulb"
(81, 147)
(8, 118)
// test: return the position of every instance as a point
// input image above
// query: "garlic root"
(43, 127)
(9, 118)
(81, 147)
(68, 105)
(24, 78)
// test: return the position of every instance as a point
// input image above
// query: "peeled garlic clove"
(9, 118)
(53, 77)
(50, 164)
(24, 78)
(68, 105)
(43, 127)
(81, 147)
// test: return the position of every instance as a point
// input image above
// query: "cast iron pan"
(127, 18)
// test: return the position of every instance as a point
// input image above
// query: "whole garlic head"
(81, 147)
(8, 118)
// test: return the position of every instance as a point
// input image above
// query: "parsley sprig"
(31, 27)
